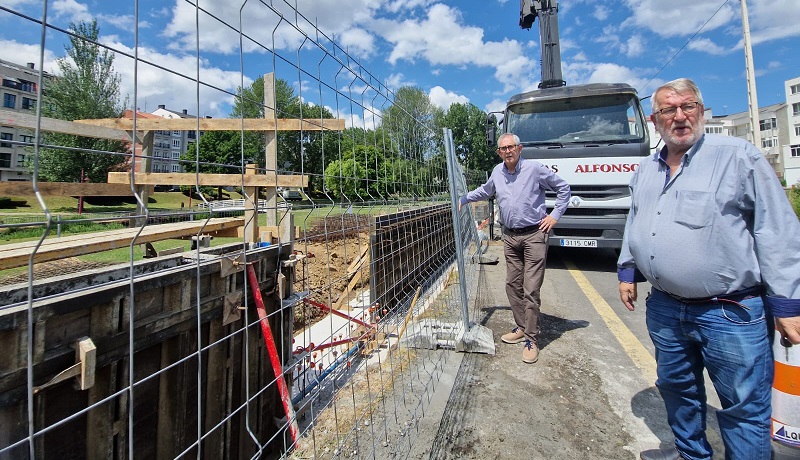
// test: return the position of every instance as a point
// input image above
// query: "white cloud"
(262, 27)
(397, 81)
(495, 105)
(442, 98)
(73, 10)
(664, 19)
(705, 45)
(772, 19)
(23, 53)
(442, 39)
(635, 46)
(357, 42)
(600, 12)
(176, 90)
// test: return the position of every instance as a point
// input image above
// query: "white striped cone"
(786, 394)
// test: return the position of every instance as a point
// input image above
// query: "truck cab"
(593, 136)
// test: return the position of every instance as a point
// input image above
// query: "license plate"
(579, 243)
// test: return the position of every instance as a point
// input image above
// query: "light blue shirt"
(722, 223)
(521, 195)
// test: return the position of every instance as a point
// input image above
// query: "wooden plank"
(214, 180)
(18, 254)
(25, 188)
(28, 121)
(219, 124)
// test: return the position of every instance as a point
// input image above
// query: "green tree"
(86, 87)
(410, 123)
(297, 151)
(468, 124)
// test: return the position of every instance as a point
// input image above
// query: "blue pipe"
(296, 400)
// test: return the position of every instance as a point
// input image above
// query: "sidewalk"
(497, 407)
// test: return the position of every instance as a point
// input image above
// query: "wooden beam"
(25, 188)
(219, 124)
(52, 125)
(212, 180)
(17, 254)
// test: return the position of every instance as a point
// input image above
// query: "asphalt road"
(591, 395)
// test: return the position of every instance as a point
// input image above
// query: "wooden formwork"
(178, 392)
(406, 248)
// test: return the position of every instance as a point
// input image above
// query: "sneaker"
(530, 352)
(515, 336)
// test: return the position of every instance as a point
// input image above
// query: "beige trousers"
(526, 255)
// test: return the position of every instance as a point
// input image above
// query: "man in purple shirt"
(519, 186)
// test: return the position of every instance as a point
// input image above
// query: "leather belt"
(521, 230)
(735, 296)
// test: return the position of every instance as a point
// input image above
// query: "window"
(27, 86)
(769, 123)
(28, 103)
(6, 137)
(176, 133)
(5, 160)
(797, 130)
(24, 138)
(176, 168)
(714, 129)
(176, 155)
(794, 89)
(192, 134)
(10, 100)
(21, 160)
(796, 109)
(796, 151)
(769, 142)
(176, 143)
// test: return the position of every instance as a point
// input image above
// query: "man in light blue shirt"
(713, 232)
(519, 186)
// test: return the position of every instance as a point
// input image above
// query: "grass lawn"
(68, 204)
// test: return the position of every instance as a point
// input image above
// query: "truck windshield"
(594, 119)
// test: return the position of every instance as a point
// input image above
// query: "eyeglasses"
(687, 109)
(507, 148)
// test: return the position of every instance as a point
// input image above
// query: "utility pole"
(755, 127)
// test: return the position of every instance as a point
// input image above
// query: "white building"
(19, 94)
(790, 150)
(168, 146)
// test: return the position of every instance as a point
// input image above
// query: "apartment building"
(19, 87)
(790, 150)
(169, 145)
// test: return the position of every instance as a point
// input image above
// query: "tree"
(297, 151)
(468, 124)
(409, 120)
(86, 87)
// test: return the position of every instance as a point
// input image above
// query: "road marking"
(634, 349)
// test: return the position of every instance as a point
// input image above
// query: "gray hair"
(516, 138)
(680, 86)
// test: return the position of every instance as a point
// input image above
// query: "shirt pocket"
(694, 209)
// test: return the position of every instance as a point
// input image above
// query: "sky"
(455, 50)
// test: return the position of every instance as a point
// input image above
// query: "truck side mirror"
(491, 130)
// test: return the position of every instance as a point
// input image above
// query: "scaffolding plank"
(212, 180)
(18, 254)
(219, 124)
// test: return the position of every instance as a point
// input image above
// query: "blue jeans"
(731, 341)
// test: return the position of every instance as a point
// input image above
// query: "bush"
(794, 198)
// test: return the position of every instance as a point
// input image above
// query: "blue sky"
(455, 50)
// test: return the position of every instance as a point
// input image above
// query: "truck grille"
(595, 192)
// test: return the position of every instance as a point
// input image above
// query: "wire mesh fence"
(311, 324)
